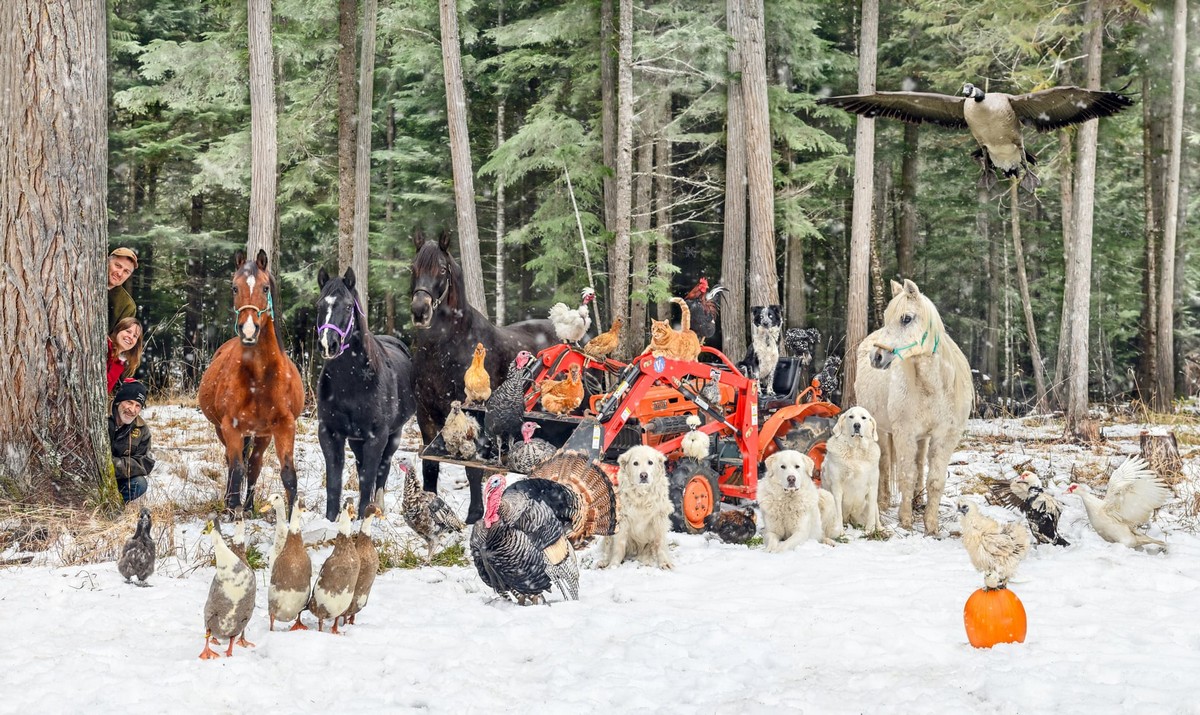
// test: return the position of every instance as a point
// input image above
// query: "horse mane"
(371, 348)
(953, 354)
(276, 324)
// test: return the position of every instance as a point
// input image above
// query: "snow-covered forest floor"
(866, 626)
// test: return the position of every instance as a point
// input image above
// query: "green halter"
(925, 335)
(270, 310)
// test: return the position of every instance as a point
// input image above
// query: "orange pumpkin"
(994, 616)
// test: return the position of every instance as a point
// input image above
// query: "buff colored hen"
(560, 397)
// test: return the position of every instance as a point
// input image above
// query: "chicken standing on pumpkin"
(1134, 492)
(477, 383)
(605, 344)
(571, 324)
(425, 512)
(560, 397)
(703, 303)
(995, 549)
(460, 433)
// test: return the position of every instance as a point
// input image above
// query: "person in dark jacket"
(121, 264)
(130, 438)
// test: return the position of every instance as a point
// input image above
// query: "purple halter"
(343, 334)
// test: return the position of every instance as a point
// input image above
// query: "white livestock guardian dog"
(851, 469)
(644, 510)
(792, 505)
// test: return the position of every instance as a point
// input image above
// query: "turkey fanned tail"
(590, 507)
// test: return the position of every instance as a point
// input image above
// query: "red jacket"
(116, 367)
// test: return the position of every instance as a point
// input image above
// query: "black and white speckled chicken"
(137, 556)
(425, 512)
(702, 301)
(1026, 495)
(520, 546)
(506, 407)
(827, 378)
(801, 342)
(529, 453)
(733, 526)
(460, 432)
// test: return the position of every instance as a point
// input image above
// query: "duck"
(335, 585)
(1134, 492)
(368, 564)
(137, 556)
(238, 542)
(230, 597)
(278, 504)
(994, 118)
(291, 568)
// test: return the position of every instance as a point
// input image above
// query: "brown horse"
(252, 391)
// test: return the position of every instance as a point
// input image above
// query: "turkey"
(520, 547)
(1134, 492)
(529, 453)
(506, 407)
(1026, 495)
(571, 324)
(137, 556)
(702, 301)
(695, 442)
(460, 432)
(995, 549)
(425, 512)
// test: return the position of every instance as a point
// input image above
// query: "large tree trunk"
(864, 177)
(760, 179)
(608, 135)
(906, 239)
(346, 99)
(389, 299)
(619, 289)
(733, 255)
(1081, 256)
(1066, 195)
(1153, 173)
(501, 106)
(1035, 353)
(460, 158)
(640, 272)
(883, 181)
(53, 208)
(264, 147)
(991, 336)
(662, 207)
(1164, 393)
(362, 160)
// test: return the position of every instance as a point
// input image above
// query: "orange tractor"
(648, 401)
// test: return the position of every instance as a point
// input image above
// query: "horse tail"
(685, 314)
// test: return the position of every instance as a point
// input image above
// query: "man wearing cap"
(130, 438)
(121, 263)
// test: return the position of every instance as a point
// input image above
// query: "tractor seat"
(787, 374)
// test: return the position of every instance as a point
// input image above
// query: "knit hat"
(131, 390)
(123, 252)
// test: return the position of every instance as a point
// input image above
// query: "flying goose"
(994, 118)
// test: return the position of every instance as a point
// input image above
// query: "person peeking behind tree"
(130, 438)
(125, 344)
(121, 264)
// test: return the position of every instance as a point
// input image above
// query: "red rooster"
(702, 302)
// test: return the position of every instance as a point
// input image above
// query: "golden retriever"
(644, 510)
(851, 469)
(793, 509)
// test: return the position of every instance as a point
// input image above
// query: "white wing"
(1134, 492)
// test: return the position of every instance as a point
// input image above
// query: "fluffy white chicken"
(1134, 492)
(571, 324)
(995, 549)
(460, 432)
(695, 442)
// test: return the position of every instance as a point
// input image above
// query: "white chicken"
(995, 549)
(1134, 492)
(695, 442)
(571, 324)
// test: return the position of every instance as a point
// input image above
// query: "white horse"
(916, 382)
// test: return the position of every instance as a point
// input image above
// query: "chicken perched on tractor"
(477, 383)
(605, 344)
(506, 407)
(561, 397)
(571, 324)
(461, 432)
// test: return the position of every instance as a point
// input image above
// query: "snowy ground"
(866, 626)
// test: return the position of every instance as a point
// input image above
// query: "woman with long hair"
(125, 344)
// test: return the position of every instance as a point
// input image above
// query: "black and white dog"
(766, 327)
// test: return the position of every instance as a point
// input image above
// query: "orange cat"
(682, 344)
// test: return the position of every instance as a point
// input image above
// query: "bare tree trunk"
(907, 238)
(640, 273)
(389, 301)
(1152, 174)
(1081, 255)
(1066, 195)
(460, 158)
(264, 146)
(362, 162)
(662, 206)
(1035, 353)
(883, 182)
(1164, 394)
(733, 257)
(346, 98)
(501, 313)
(991, 335)
(864, 177)
(619, 289)
(760, 179)
(53, 195)
(608, 133)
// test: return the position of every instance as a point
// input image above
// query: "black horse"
(447, 330)
(365, 393)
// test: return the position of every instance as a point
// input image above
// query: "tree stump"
(1161, 452)
(1088, 432)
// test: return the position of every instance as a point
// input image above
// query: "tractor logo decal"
(596, 437)
(753, 413)
(660, 363)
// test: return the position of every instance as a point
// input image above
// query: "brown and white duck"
(334, 591)
(291, 570)
(368, 563)
(230, 597)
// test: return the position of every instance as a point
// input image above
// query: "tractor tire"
(808, 433)
(695, 494)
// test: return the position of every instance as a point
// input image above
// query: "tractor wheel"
(808, 433)
(695, 494)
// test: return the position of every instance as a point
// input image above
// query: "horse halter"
(237, 312)
(435, 302)
(343, 335)
(924, 336)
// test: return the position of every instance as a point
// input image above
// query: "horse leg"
(334, 448)
(887, 480)
(385, 468)
(285, 441)
(922, 471)
(234, 451)
(939, 451)
(369, 467)
(475, 482)
(904, 451)
(429, 468)
(258, 451)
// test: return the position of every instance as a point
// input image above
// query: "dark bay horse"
(252, 391)
(447, 330)
(364, 395)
